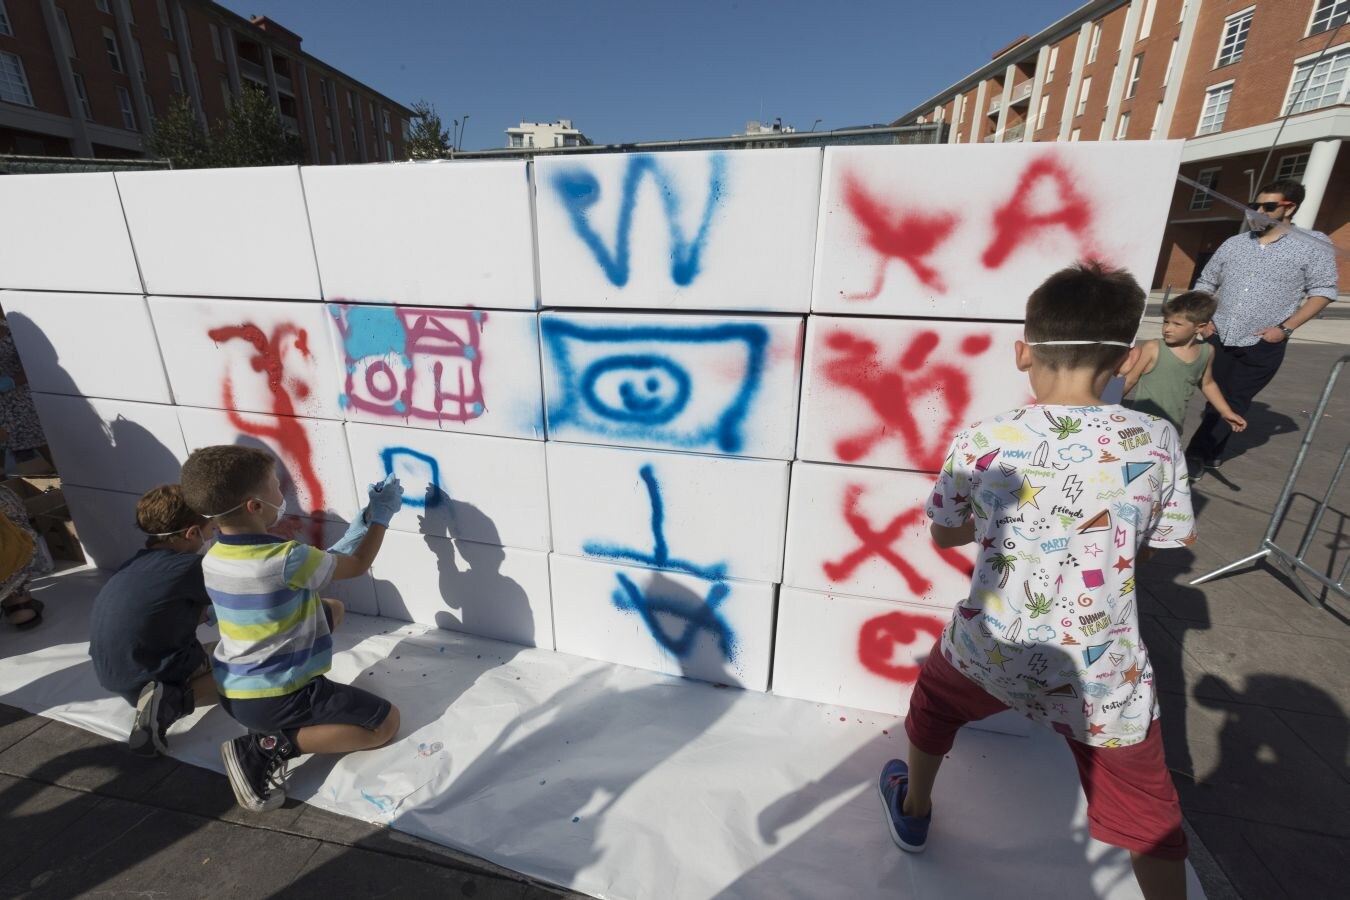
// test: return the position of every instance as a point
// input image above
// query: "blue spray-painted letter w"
(579, 190)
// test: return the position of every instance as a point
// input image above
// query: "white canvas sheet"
(623, 783)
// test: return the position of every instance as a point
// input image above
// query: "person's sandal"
(32, 605)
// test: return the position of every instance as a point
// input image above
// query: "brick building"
(1250, 86)
(87, 77)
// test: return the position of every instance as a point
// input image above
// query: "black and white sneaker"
(256, 768)
(147, 731)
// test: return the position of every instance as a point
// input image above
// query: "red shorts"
(1132, 802)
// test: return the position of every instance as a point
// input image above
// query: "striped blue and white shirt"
(1260, 285)
(274, 638)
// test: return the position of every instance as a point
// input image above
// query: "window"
(110, 44)
(515, 140)
(1216, 107)
(1122, 126)
(1235, 29)
(1075, 134)
(225, 93)
(216, 47)
(386, 120)
(140, 57)
(1146, 22)
(1157, 121)
(175, 75)
(1327, 14)
(1045, 108)
(1050, 66)
(1094, 42)
(388, 149)
(128, 111)
(1171, 61)
(407, 130)
(5, 27)
(84, 97)
(1292, 166)
(150, 107)
(13, 81)
(67, 39)
(1083, 90)
(165, 26)
(323, 90)
(1318, 84)
(1133, 84)
(102, 6)
(1210, 179)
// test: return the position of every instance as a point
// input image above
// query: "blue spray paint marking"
(390, 456)
(697, 616)
(373, 331)
(644, 396)
(579, 190)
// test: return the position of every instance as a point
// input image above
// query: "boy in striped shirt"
(275, 630)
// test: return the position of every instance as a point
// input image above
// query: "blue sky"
(639, 70)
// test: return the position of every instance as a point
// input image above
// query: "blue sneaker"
(909, 832)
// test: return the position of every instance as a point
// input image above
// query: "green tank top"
(1168, 388)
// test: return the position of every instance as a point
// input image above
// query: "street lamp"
(815, 123)
(460, 144)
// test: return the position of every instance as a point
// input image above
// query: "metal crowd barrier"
(1292, 564)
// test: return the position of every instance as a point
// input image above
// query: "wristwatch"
(1288, 332)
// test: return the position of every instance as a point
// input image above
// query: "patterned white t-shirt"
(1063, 498)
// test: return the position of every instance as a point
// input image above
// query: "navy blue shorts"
(320, 702)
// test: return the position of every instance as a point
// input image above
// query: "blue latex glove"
(385, 499)
(356, 532)
(6, 384)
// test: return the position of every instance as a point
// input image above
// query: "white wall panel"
(112, 444)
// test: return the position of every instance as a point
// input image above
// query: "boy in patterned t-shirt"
(1062, 500)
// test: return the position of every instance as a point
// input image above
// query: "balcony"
(252, 71)
(995, 105)
(1015, 133)
(284, 84)
(290, 123)
(1022, 92)
(987, 139)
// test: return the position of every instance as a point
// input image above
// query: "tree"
(428, 138)
(252, 134)
(180, 138)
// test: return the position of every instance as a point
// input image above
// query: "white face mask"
(281, 510)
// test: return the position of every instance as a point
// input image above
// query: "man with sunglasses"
(1268, 284)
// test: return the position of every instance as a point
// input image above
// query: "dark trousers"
(1241, 373)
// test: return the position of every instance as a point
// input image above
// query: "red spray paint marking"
(1015, 224)
(889, 392)
(878, 638)
(874, 542)
(288, 434)
(908, 237)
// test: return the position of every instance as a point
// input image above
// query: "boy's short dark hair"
(1287, 188)
(1196, 306)
(217, 479)
(1086, 302)
(163, 511)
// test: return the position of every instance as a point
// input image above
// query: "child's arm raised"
(385, 500)
(1210, 388)
(1148, 358)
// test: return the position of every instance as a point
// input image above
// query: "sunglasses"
(1270, 206)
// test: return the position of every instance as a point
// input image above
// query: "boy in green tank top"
(1169, 370)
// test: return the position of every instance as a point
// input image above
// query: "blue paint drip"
(374, 331)
(434, 492)
(579, 190)
(579, 404)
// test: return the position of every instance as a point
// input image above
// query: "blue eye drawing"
(683, 387)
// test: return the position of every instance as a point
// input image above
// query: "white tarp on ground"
(625, 783)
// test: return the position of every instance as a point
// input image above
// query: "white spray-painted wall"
(709, 460)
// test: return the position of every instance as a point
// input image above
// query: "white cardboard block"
(357, 594)
(91, 345)
(853, 651)
(222, 232)
(434, 234)
(496, 592)
(969, 230)
(673, 511)
(689, 230)
(863, 531)
(484, 489)
(65, 218)
(664, 621)
(106, 523)
(315, 468)
(112, 444)
(451, 369)
(711, 384)
(227, 353)
(892, 392)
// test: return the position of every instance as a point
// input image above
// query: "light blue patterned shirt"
(1260, 285)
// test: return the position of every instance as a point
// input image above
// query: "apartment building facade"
(1258, 90)
(87, 78)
